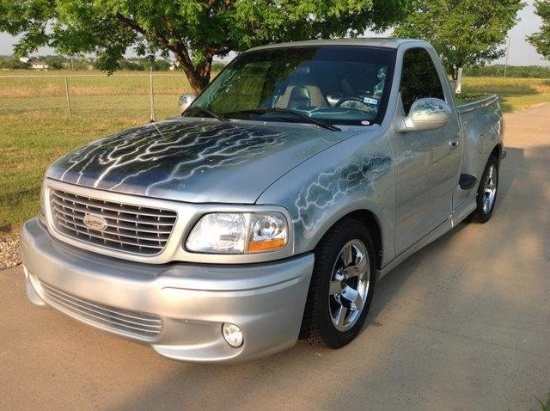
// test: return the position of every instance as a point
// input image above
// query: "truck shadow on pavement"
(389, 287)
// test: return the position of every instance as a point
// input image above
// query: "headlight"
(239, 233)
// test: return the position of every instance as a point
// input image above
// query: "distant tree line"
(135, 64)
(12, 63)
(57, 62)
(509, 71)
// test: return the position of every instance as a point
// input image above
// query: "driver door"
(426, 163)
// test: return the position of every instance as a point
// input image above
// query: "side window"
(419, 78)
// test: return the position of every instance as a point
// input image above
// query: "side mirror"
(185, 101)
(426, 114)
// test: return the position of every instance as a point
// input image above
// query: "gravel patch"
(9, 251)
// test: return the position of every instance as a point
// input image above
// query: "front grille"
(142, 326)
(122, 227)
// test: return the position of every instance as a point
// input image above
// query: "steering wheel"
(353, 102)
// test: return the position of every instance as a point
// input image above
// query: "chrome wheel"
(489, 189)
(341, 287)
(487, 192)
(349, 285)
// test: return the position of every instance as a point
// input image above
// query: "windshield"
(329, 84)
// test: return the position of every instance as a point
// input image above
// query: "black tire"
(341, 287)
(487, 192)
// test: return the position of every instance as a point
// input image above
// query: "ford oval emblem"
(95, 222)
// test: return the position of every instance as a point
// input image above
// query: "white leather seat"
(296, 96)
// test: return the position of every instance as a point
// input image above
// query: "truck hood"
(194, 161)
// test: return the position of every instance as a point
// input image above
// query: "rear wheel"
(341, 287)
(487, 192)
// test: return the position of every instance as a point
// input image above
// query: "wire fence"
(149, 95)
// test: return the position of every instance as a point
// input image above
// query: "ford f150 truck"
(270, 208)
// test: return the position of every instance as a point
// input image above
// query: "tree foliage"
(193, 30)
(465, 33)
(541, 40)
(12, 63)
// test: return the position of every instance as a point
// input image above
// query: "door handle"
(454, 144)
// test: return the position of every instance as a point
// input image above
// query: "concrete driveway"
(463, 324)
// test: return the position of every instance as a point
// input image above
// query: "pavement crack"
(462, 336)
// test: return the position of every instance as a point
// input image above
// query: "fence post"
(68, 98)
(152, 119)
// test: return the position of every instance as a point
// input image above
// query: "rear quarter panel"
(483, 129)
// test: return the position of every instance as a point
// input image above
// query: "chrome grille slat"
(156, 236)
(138, 324)
(104, 240)
(130, 228)
(117, 215)
(110, 206)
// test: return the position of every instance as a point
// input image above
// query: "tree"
(12, 63)
(465, 33)
(55, 62)
(194, 31)
(541, 40)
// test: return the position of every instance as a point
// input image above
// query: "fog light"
(232, 334)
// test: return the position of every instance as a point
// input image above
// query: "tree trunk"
(198, 76)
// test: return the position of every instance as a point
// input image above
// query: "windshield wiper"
(308, 119)
(204, 110)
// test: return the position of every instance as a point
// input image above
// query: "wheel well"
(366, 217)
(309, 329)
(497, 152)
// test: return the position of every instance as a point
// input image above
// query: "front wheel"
(487, 192)
(341, 287)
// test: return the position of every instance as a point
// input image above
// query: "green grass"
(36, 128)
(544, 406)
(515, 93)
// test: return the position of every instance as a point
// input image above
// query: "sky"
(521, 53)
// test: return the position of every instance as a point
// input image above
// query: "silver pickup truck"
(268, 211)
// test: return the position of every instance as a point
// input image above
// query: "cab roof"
(382, 42)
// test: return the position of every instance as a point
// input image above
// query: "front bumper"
(176, 308)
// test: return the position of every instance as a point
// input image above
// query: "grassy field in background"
(36, 127)
(515, 93)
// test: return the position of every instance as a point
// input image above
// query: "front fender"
(354, 175)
